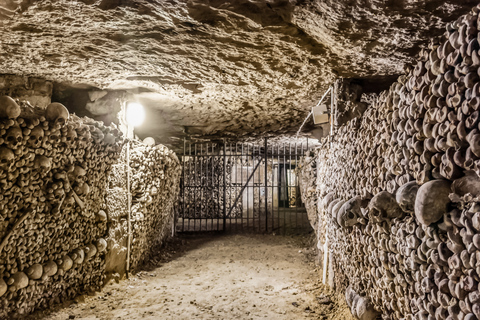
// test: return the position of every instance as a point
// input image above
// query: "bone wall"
(53, 169)
(155, 182)
(396, 189)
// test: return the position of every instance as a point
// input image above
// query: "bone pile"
(155, 182)
(397, 188)
(53, 169)
(155, 186)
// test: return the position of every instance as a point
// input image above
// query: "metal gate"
(242, 187)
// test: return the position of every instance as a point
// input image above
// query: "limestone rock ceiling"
(217, 68)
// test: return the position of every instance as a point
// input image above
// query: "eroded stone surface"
(214, 67)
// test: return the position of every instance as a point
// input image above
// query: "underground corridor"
(243, 159)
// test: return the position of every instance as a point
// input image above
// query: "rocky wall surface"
(215, 68)
(397, 189)
(155, 183)
(53, 169)
(37, 92)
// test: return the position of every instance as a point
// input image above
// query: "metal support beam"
(266, 186)
(224, 185)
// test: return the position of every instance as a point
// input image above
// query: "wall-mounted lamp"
(135, 114)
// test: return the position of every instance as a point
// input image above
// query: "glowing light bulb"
(135, 114)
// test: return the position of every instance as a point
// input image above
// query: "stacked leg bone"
(52, 245)
(409, 249)
(155, 176)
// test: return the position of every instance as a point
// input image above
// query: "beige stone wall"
(37, 92)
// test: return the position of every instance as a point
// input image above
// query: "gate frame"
(227, 213)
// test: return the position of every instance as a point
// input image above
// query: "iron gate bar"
(295, 185)
(183, 191)
(253, 190)
(241, 190)
(195, 181)
(266, 187)
(236, 182)
(241, 179)
(224, 185)
(213, 168)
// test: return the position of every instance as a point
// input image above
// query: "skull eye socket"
(19, 139)
(10, 138)
(350, 215)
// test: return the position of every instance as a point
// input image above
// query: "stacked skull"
(154, 181)
(53, 167)
(385, 182)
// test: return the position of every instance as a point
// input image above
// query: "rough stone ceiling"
(217, 68)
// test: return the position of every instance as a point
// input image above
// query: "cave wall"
(53, 173)
(395, 191)
(155, 184)
(38, 92)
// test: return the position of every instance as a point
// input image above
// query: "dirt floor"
(217, 277)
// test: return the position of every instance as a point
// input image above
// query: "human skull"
(78, 256)
(383, 207)
(90, 251)
(83, 189)
(149, 141)
(14, 138)
(9, 108)
(71, 135)
(65, 263)
(59, 194)
(54, 137)
(109, 138)
(7, 158)
(101, 216)
(3, 287)
(43, 163)
(101, 245)
(50, 268)
(35, 271)
(36, 137)
(97, 134)
(350, 213)
(432, 201)
(19, 280)
(78, 172)
(57, 113)
(69, 201)
(84, 136)
(406, 195)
